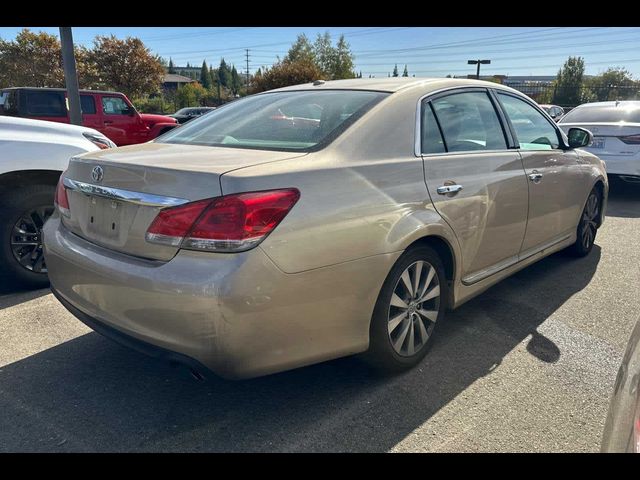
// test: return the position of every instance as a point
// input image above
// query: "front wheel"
(24, 211)
(588, 226)
(411, 303)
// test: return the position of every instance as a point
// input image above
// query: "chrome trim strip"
(138, 198)
(475, 278)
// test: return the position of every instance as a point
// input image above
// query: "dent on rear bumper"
(237, 314)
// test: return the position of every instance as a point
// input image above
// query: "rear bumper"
(615, 165)
(236, 314)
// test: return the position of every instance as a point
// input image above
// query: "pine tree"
(205, 76)
(224, 74)
(235, 80)
(395, 70)
(405, 73)
(171, 67)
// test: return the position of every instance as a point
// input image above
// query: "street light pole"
(478, 62)
(70, 75)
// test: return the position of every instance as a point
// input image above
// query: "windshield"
(604, 114)
(297, 120)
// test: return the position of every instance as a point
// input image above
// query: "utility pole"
(247, 71)
(478, 62)
(70, 75)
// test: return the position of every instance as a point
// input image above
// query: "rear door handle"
(535, 176)
(445, 189)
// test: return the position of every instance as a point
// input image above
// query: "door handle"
(535, 176)
(445, 189)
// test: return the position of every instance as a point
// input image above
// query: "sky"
(427, 51)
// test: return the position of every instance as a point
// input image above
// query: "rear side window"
(87, 104)
(114, 106)
(45, 104)
(9, 102)
(431, 138)
(533, 130)
(469, 122)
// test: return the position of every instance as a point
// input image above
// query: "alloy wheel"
(26, 239)
(414, 308)
(590, 220)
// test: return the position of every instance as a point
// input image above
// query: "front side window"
(533, 130)
(115, 106)
(469, 122)
(298, 120)
(45, 104)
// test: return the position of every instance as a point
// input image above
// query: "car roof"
(389, 84)
(613, 104)
(51, 89)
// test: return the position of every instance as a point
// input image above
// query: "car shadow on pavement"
(624, 199)
(13, 296)
(90, 394)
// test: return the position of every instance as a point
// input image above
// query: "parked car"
(34, 154)
(185, 114)
(263, 251)
(111, 113)
(554, 111)
(622, 428)
(616, 134)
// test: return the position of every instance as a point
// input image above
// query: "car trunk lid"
(114, 195)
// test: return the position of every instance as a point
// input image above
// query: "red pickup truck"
(111, 113)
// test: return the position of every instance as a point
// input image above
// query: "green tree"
(283, 74)
(171, 67)
(301, 50)
(127, 65)
(236, 83)
(405, 72)
(395, 70)
(189, 95)
(224, 74)
(342, 61)
(615, 83)
(568, 86)
(324, 54)
(205, 76)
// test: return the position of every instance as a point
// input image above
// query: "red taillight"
(61, 200)
(232, 223)
(631, 139)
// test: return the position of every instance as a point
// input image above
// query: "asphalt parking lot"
(527, 366)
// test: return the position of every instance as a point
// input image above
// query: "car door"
(554, 175)
(90, 116)
(121, 122)
(477, 184)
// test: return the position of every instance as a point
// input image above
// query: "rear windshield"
(606, 114)
(290, 121)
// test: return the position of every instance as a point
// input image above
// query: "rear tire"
(16, 204)
(410, 305)
(587, 226)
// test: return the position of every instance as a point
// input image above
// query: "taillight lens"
(631, 139)
(100, 141)
(232, 223)
(61, 200)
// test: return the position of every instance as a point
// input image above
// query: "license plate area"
(598, 142)
(104, 217)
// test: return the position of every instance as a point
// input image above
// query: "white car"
(616, 134)
(33, 155)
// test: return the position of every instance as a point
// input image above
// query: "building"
(172, 81)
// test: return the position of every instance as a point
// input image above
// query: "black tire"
(15, 203)
(382, 354)
(587, 226)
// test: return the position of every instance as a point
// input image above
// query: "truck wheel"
(25, 209)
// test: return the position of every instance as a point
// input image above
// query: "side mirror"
(579, 137)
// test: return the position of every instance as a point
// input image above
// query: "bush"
(158, 105)
(286, 73)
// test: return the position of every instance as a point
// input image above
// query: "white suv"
(34, 154)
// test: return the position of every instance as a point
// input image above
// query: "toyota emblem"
(97, 174)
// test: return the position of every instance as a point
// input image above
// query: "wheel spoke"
(37, 266)
(423, 331)
(416, 278)
(407, 282)
(433, 293)
(427, 282)
(411, 348)
(403, 335)
(395, 321)
(431, 315)
(396, 301)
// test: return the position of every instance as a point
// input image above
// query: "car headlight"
(99, 140)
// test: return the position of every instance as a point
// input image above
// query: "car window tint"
(87, 104)
(114, 106)
(45, 104)
(430, 133)
(469, 122)
(533, 130)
